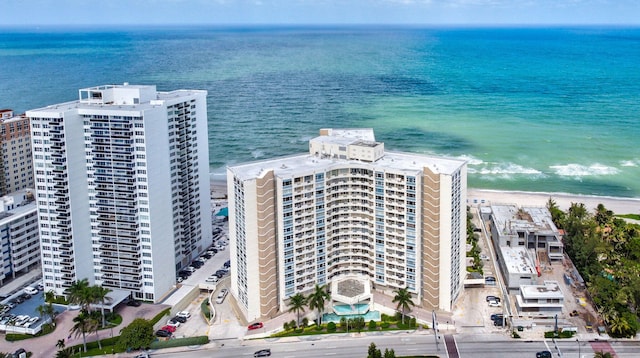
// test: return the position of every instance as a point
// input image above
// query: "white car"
(494, 303)
(185, 314)
(222, 295)
(173, 323)
(30, 290)
(212, 279)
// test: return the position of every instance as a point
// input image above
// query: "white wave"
(470, 159)
(629, 163)
(257, 153)
(504, 169)
(578, 170)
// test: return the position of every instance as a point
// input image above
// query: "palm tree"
(296, 304)
(60, 344)
(47, 310)
(65, 353)
(99, 294)
(317, 300)
(403, 300)
(602, 355)
(82, 324)
(79, 293)
(619, 326)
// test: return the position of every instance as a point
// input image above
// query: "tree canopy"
(606, 251)
(138, 334)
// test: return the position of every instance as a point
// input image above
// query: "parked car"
(543, 354)
(492, 298)
(197, 264)
(256, 325)
(169, 328)
(227, 264)
(484, 257)
(142, 355)
(179, 319)
(206, 256)
(163, 333)
(190, 269)
(20, 352)
(496, 316)
(494, 303)
(574, 313)
(212, 279)
(185, 314)
(490, 280)
(222, 295)
(133, 303)
(173, 322)
(262, 353)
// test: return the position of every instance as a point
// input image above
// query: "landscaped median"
(388, 323)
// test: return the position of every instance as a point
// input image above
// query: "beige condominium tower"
(348, 208)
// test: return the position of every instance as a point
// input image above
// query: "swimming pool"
(359, 308)
(369, 316)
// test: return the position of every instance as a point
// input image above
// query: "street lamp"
(434, 323)
(579, 353)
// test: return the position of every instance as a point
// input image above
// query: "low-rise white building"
(518, 267)
(547, 298)
(19, 237)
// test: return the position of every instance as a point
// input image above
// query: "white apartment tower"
(347, 208)
(122, 182)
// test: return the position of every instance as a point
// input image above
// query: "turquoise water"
(351, 309)
(532, 109)
(332, 317)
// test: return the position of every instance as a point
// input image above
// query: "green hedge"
(204, 307)
(563, 334)
(159, 316)
(46, 329)
(180, 342)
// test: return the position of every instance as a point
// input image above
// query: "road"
(403, 345)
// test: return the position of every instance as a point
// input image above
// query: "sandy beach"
(521, 198)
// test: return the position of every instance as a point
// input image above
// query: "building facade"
(18, 234)
(347, 209)
(122, 181)
(16, 169)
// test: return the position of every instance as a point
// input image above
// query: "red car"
(169, 328)
(255, 326)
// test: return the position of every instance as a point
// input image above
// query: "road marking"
(330, 354)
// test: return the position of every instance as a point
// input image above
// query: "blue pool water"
(369, 316)
(358, 308)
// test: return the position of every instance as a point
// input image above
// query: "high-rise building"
(122, 182)
(348, 208)
(16, 170)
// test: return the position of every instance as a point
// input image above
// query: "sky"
(318, 12)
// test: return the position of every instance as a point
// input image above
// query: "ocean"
(531, 109)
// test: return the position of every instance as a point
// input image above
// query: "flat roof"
(517, 261)
(63, 107)
(411, 164)
(509, 220)
(549, 290)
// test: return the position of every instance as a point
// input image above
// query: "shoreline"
(619, 205)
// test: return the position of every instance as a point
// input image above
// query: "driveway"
(45, 346)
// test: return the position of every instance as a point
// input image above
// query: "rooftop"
(409, 163)
(517, 261)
